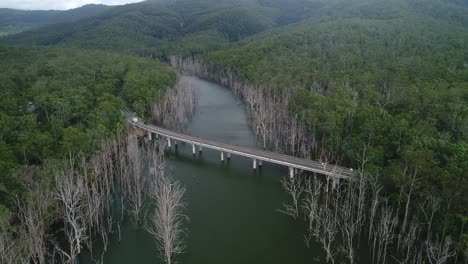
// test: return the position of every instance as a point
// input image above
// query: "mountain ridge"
(14, 21)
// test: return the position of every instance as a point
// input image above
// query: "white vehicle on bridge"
(134, 119)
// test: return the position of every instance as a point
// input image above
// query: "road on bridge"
(256, 154)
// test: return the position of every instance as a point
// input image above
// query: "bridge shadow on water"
(210, 160)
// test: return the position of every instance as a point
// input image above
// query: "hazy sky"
(58, 4)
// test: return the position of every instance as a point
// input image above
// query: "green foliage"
(59, 101)
(14, 21)
(144, 83)
(167, 27)
(5, 214)
(385, 78)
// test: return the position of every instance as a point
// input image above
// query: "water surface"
(233, 209)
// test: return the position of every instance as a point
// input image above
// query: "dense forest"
(167, 27)
(13, 21)
(388, 80)
(385, 82)
(57, 101)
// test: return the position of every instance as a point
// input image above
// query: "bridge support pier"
(200, 149)
(157, 136)
(229, 155)
(149, 136)
(291, 172)
(168, 142)
(222, 155)
(193, 149)
(254, 164)
(260, 163)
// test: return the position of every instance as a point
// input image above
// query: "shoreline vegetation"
(381, 86)
(57, 207)
(401, 226)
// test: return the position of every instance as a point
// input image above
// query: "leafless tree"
(329, 224)
(293, 187)
(69, 193)
(429, 207)
(409, 245)
(100, 190)
(412, 184)
(362, 188)
(385, 231)
(34, 217)
(12, 243)
(313, 190)
(348, 225)
(177, 106)
(133, 179)
(268, 109)
(439, 252)
(358, 204)
(33, 212)
(166, 218)
(374, 204)
(166, 223)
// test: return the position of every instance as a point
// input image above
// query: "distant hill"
(383, 84)
(14, 21)
(172, 26)
(401, 39)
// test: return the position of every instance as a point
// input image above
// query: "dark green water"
(232, 209)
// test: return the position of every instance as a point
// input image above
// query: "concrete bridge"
(257, 155)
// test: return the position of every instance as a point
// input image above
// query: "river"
(233, 209)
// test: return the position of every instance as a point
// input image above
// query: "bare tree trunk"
(166, 222)
(133, 180)
(13, 241)
(413, 181)
(69, 193)
(177, 106)
(292, 186)
(433, 204)
(439, 252)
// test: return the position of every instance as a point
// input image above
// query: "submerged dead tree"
(89, 196)
(293, 186)
(359, 206)
(69, 193)
(34, 213)
(439, 251)
(12, 238)
(269, 110)
(133, 179)
(167, 220)
(177, 106)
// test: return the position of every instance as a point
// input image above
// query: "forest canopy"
(387, 79)
(59, 101)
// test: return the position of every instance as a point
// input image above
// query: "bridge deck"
(269, 156)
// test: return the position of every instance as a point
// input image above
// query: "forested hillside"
(13, 21)
(380, 81)
(54, 102)
(380, 84)
(392, 60)
(166, 27)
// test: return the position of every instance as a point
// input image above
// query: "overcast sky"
(58, 4)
